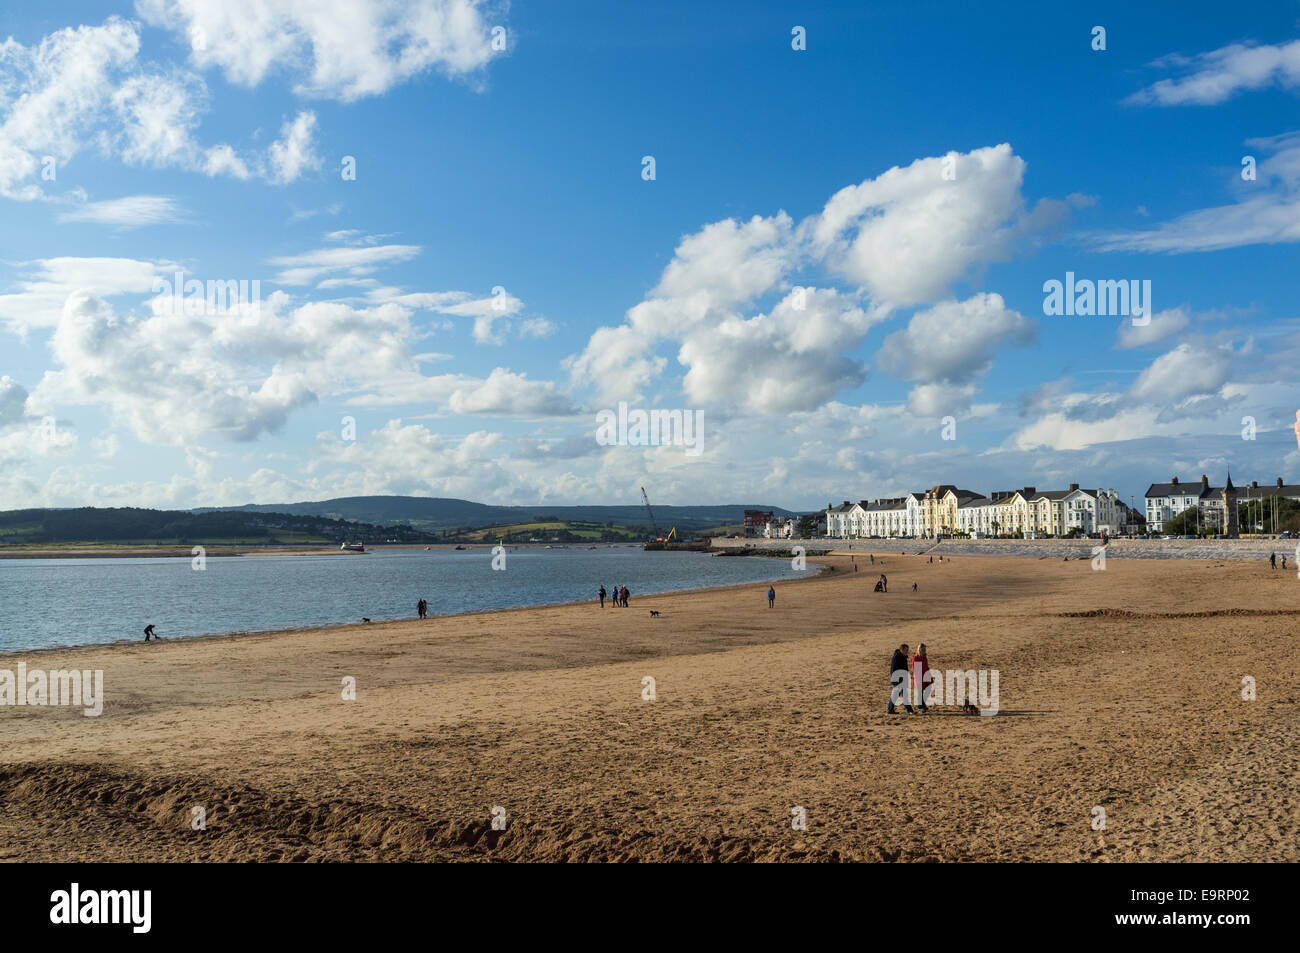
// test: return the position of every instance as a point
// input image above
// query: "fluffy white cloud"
(1161, 325)
(791, 359)
(952, 343)
(13, 402)
(903, 237)
(1216, 76)
(40, 295)
(1188, 389)
(1185, 371)
(86, 86)
(56, 90)
(293, 152)
(342, 49)
(162, 376)
(909, 233)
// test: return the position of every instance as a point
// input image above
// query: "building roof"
(1176, 489)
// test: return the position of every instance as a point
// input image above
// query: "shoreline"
(823, 570)
(108, 551)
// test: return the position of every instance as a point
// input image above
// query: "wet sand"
(1119, 689)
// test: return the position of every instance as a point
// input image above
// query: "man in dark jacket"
(897, 677)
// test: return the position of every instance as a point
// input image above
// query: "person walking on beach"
(148, 632)
(920, 676)
(422, 607)
(1272, 560)
(1284, 560)
(898, 677)
(873, 559)
(771, 597)
(625, 595)
(602, 596)
(884, 583)
(914, 587)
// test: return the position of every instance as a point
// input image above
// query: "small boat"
(426, 549)
(460, 547)
(353, 548)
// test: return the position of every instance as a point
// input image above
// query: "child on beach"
(771, 597)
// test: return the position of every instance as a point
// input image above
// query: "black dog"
(654, 612)
(970, 708)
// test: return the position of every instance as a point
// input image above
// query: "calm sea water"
(47, 602)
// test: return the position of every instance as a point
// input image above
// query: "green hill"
(141, 526)
(435, 514)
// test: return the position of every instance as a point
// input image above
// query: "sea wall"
(1244, 549)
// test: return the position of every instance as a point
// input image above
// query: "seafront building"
(1222, 509)
(946, 510)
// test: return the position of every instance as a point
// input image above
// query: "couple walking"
(422, 607)
(900, 678)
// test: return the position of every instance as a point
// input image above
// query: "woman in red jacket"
(918, 689)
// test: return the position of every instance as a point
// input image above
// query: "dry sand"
(1119, 689)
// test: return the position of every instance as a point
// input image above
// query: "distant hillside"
(171, 527)
(438, 515)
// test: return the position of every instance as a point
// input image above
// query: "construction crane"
(653, 522)
(659, 537)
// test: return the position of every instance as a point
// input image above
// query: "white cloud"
(86, 86)
(501, 394)
(909, 233)
(40, 295)
(58, 89)
(132, 211)
(341, 49)
(163, 376)
(791, 359)
(13, 402)
(904, 237)
(1218, 75)
(307, 267)
(293, 152)
(1161, 325)
(1267, 212)
(1185, 371)
(945, 348)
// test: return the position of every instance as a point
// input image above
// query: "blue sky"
(210, 138)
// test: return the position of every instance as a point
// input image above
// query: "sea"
(62, 602)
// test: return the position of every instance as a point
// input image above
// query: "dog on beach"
(364, 619)
(653, 613)
(969, 708)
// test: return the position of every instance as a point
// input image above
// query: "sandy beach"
(1119, 689)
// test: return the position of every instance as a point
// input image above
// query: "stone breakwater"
(1235, 549)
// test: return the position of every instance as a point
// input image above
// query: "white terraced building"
(945, 509)
(1164, 501)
